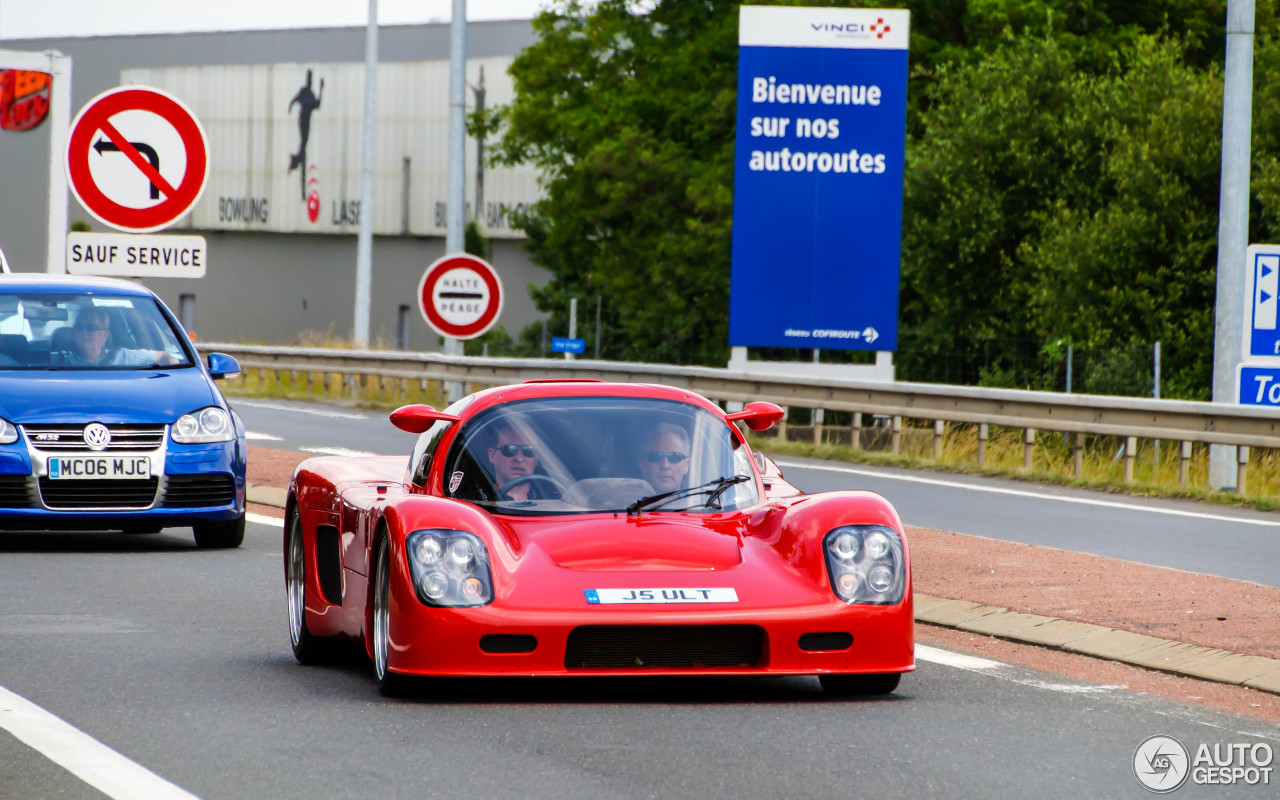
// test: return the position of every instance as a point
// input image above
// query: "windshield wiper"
(713, 490)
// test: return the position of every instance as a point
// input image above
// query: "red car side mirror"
(417, 418)
(759, 416)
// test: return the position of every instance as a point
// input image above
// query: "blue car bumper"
(181, 485)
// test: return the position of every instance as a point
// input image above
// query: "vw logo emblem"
(97, 436)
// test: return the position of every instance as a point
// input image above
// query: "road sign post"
(137, 159)
(460, 296)
(560, 344)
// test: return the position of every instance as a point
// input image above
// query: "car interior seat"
(14, 345)
(62, 340)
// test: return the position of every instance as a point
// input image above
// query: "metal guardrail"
(1130, 418)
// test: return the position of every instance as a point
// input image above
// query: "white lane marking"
(319, 412)
(337, 451)
(265, 437)
(39, 624)
(957, 660)
(1037, 495)
(1008, 672)
(83, 756)
(263, 519)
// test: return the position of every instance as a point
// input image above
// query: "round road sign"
(137, 158)
(460, 296)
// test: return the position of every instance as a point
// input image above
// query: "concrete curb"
(1082, 638)
(266, 495)
(1096, 641)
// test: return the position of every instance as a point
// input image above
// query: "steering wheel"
(523, 479)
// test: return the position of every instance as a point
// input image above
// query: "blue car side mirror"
(222, 366)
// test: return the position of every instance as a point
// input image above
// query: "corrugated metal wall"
(252, 122)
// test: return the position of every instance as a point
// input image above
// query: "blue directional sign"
(1259, 385)
(560, 344)
(1262, 284)
(818, 171)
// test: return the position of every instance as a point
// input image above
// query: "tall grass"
(371, 392)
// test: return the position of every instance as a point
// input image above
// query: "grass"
(373, 392)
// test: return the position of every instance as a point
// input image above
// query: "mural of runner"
(308, 103)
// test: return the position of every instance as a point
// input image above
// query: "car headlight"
(866, 564)
(210, 424)
(8, 432)
(449, 568)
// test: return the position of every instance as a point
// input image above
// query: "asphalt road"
(178, 660)
(1185, 535)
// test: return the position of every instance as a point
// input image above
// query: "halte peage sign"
(817, 220)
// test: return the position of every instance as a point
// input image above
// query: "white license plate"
(628, 596)
(99, 467)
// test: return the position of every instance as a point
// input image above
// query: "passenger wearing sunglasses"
(514, 455)
(89, 340)
(664, 456)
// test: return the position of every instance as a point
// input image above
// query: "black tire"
(220, 535)
(308, 648)
(860, 685)
(390, 684)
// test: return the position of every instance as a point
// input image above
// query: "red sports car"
(587, 528)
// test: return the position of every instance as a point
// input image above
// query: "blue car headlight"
(449, 568)
(8, 433)
(866, 564)
(210, 424)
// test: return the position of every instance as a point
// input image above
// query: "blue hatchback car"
(109, 419)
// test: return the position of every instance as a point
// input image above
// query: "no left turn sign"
(460, 296)
(137, 158)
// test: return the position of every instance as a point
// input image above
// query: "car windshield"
(581, 455)
(86, 332)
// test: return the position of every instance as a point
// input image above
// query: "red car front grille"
(663, 646)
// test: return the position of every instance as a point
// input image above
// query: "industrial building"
(282, 112)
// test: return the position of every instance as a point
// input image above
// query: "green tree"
(1061, 176)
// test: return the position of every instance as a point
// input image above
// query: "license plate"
(99, 467)
(626, 596)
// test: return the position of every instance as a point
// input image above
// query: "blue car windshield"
(86, 332)
(583, 455)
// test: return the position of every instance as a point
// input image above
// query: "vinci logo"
(832, 27)
(24, 99)
(880, 28)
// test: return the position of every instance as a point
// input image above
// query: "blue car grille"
(187, 491)
(15, 492)
(121, 494)
(70, 438)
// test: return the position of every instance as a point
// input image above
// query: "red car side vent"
(564, 380)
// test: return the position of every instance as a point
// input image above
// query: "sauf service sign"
(818, 169)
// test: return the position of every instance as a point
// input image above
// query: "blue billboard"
(818, 169)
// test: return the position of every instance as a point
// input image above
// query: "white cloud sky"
(29, 19)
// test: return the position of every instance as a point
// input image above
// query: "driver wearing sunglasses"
(664, 456)
(91, 336)
(514, 456)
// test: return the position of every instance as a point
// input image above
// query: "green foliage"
(630, 118)
(1053, 203)
(80, 226)
(1061, 182)
(474, 241)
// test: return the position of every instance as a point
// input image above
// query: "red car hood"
(651, 543)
